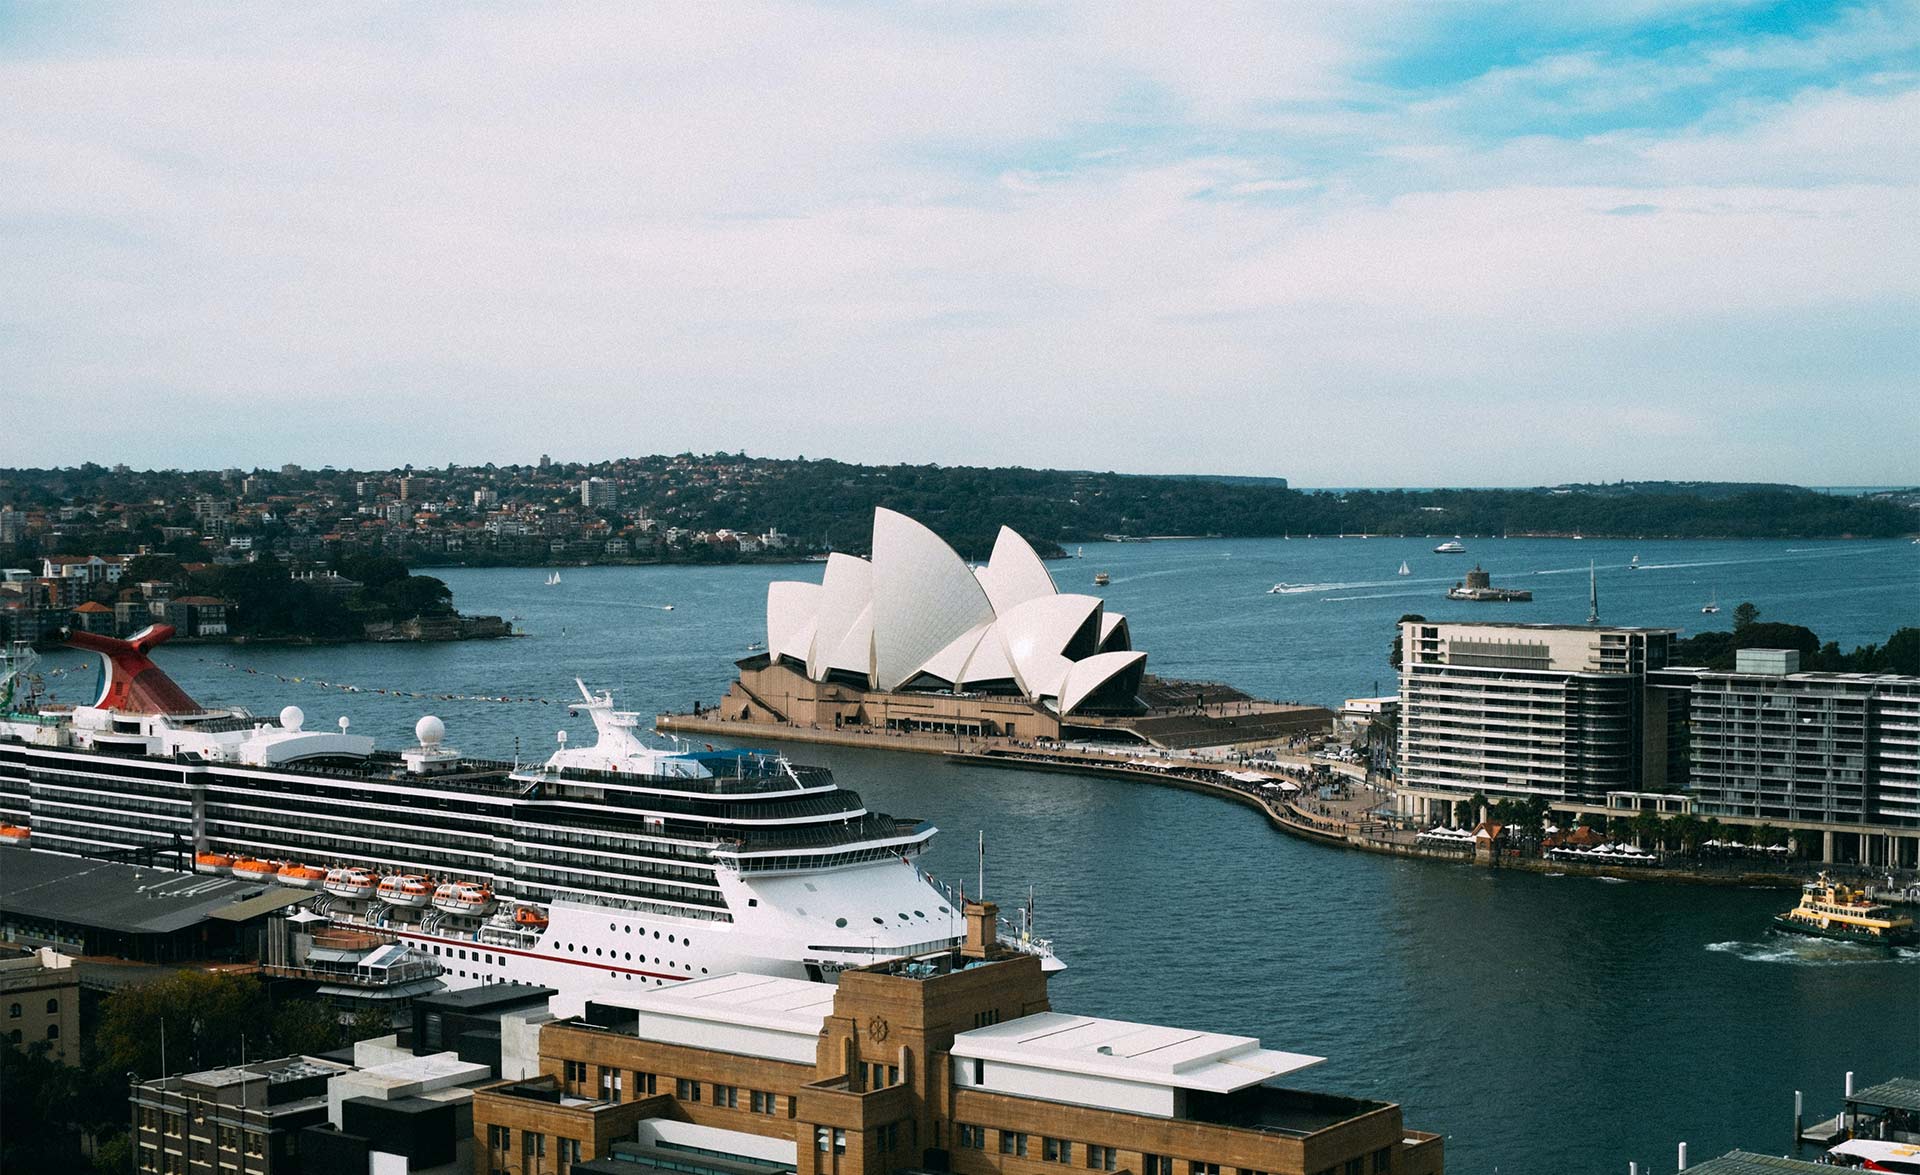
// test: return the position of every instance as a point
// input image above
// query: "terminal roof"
(1900, 1093)
(758, 1001)
(1150, 1054)
(1748, 1163)
(111, 896)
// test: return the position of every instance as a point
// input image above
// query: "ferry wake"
(620, 862)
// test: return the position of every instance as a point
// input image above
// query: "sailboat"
(553, 579)
(1633, 564)
(1713, 603)
(1404, 569)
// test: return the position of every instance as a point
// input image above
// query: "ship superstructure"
(615, 863)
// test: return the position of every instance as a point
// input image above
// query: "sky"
(1381, 243)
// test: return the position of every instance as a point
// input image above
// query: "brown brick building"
(948, 1061)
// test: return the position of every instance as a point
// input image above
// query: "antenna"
(983, 864)
(1593, 594)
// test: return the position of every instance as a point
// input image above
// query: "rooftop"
(1897, 1093)
(1148, 1054)
(755, 1001)
(1747, 1163)
(111, 896)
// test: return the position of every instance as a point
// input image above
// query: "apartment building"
(948, 1061)
(1837, 754)
(1512, 711)
(40, 991)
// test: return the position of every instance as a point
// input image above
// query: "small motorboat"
(1101, 579)
(1451, 547)
(301, 876)
(253, 869)
(1281, 589)
(462, 897)
(406, 890)
(1712, 605)
(351, 883)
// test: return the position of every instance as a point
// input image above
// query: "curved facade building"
(918, 619)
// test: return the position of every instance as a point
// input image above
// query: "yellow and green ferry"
(1829, 909)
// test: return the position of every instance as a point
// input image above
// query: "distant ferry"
(1450, 547)
(1829, 909)
(1101, 579)
(612, 863)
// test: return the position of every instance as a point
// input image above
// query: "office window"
(53, 1006)
(645, 1084)
(532, 1145)
(839, 1142)
(726, 1096)
(53, 1032)
(575, 1072)
(1383, 1160)
(1059, 1150)
(1102, 1158)
(256, 1143)
(686, 1091)
(611, 1081)
(822, 1139)
(887, 1138)
(973, 1138)
(569, 1149)
(1196, 1167)
(1250, 1171)
(1012, 1143)
(760, 1102)
(982, 1019)
(1156, 1165)
(13, 1011)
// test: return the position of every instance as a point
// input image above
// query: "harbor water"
(1542, 1023)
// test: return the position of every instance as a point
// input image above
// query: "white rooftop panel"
(1150, 1054)
(759, 1001)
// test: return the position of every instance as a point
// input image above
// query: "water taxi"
(1452, 546)
(1829, 909)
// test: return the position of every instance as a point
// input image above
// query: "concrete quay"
(1348, 823)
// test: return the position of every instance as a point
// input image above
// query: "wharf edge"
(1284, 817)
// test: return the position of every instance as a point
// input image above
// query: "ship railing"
(1018, 935)
(766, 776)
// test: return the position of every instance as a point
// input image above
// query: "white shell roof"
(846, 591)
(918, 610)
(1148, 1054)
(924, 596)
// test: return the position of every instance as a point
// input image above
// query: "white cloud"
(910, 234)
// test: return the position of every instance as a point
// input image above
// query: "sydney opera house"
(914, 639)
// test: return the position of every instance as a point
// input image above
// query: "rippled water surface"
(1542, 1023)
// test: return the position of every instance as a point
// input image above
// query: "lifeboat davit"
(14, 834)
(212, 863)
(301, 876)
(407, 890)
(529, 918)
(251, 869)
(351, 883)
(463, 897)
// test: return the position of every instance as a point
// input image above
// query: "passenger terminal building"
(949, 1061)
(1595, 719)
(916, 640)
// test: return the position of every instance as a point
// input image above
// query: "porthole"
(877, 921)
(703, 970)
(919, 913)
(840, 922)
(902, 917)
(669, 938)
(629, 956)
(569, 948)
(598, 951)
(609, 927)
(656, 934)
(628, 929)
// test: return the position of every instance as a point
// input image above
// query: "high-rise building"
(1834, 753)
(599, 493)
(1512, 711)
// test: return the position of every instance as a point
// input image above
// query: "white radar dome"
(429, 731)
(292, 718)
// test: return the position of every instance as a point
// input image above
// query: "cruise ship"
(618, 863)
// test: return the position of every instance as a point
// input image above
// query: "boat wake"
(1376, 596)
(1812, 952)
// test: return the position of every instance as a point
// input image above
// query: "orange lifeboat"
(351, 883)
(407, 890)
(528, 918)
(252, 869)
(463, 897)
(301, 876)
(212, 863)
(14, 834)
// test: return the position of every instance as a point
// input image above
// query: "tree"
(1648, 827)
(1744, 615)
